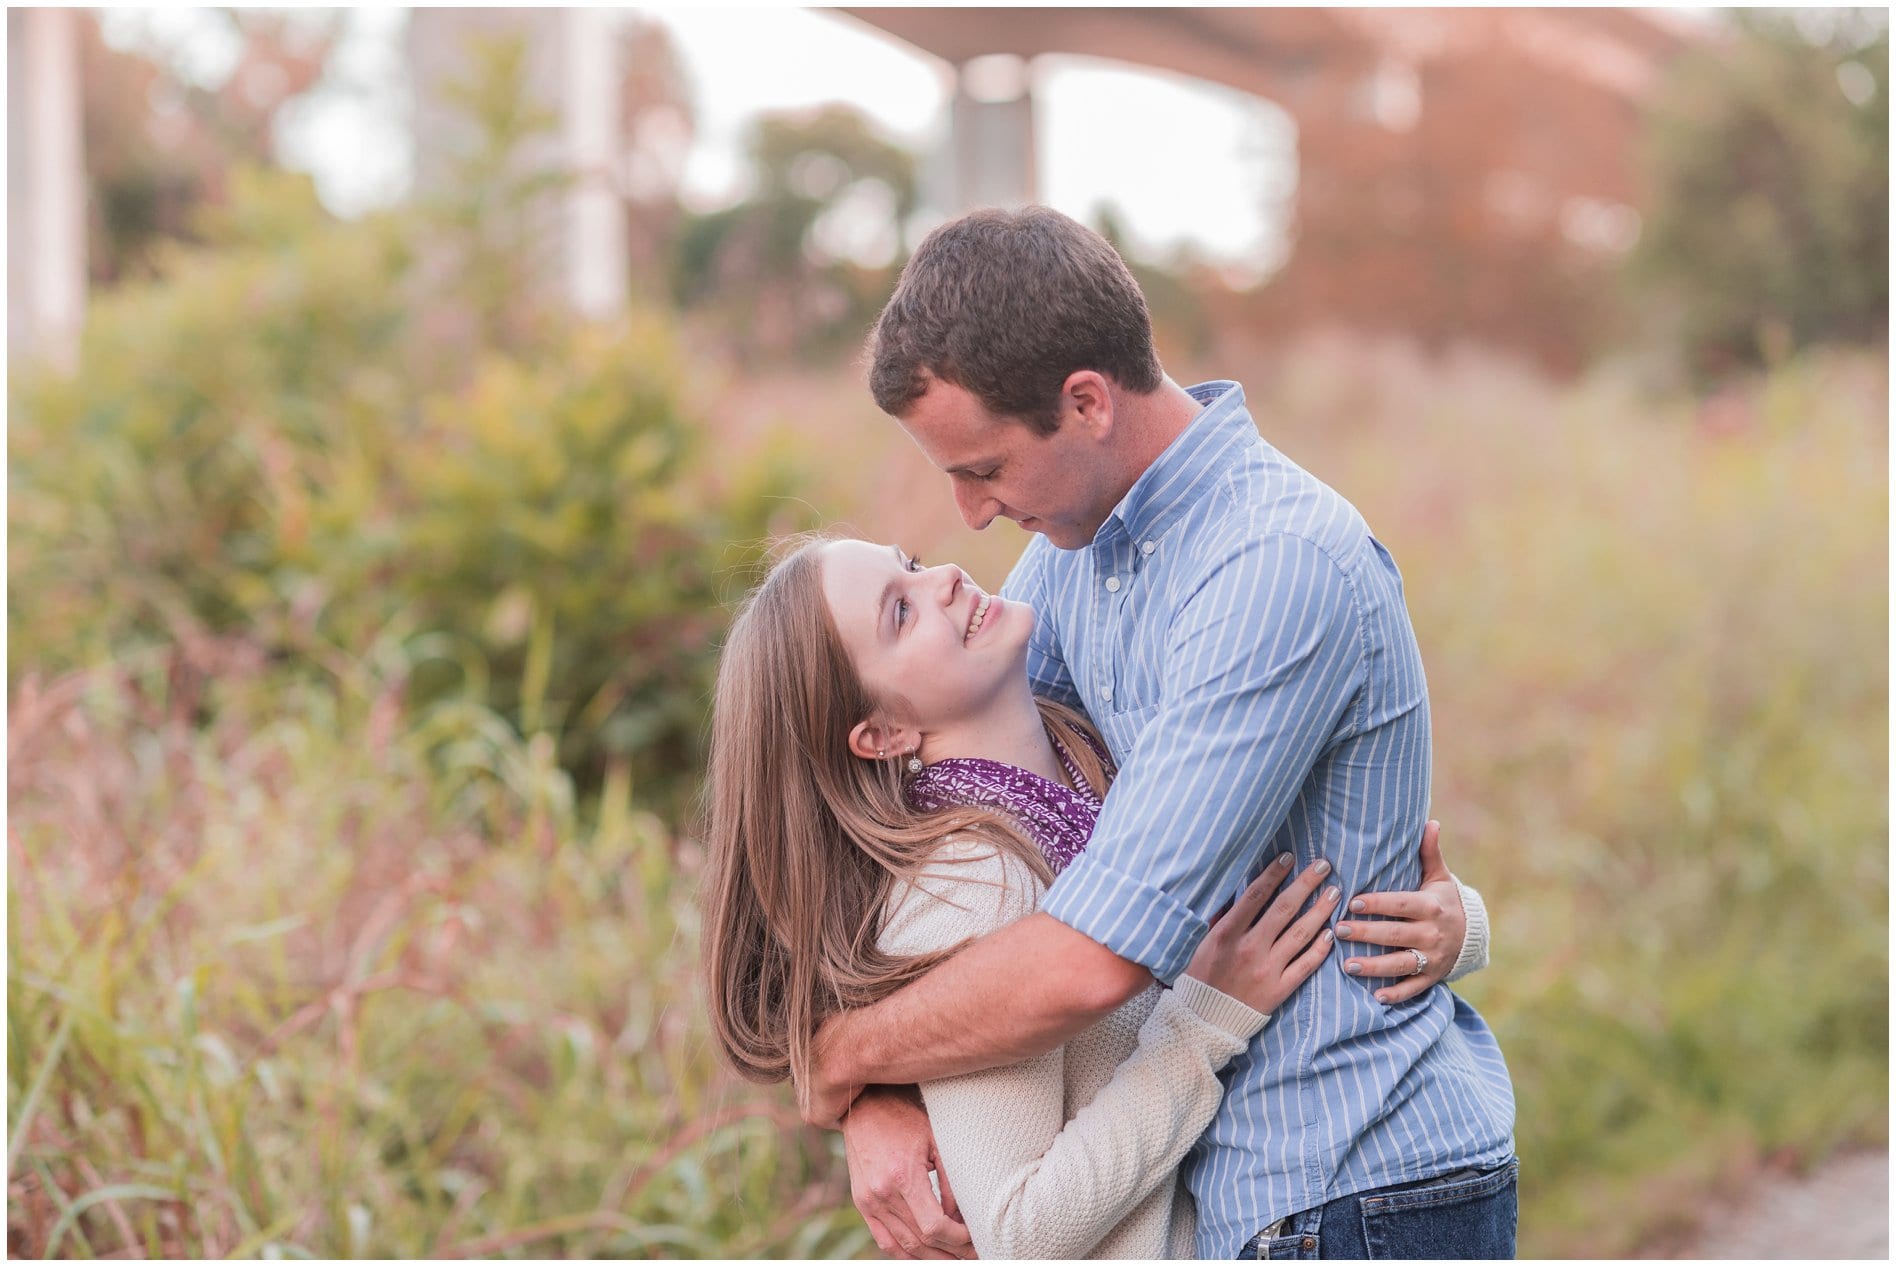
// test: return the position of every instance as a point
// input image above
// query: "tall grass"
(318, 979)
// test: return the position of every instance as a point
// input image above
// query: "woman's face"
(925, 640)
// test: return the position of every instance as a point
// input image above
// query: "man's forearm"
(1016, 993)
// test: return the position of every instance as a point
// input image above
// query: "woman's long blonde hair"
(806, 841)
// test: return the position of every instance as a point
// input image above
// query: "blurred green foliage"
(762, 269)
(563, 533)
(320, 433)
(1767, 217)
(159, 146)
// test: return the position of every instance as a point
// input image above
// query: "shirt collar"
(1189, 465)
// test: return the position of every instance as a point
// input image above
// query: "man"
(1241, 640)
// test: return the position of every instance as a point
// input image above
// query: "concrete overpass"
(1326, 67)
(1447, 157)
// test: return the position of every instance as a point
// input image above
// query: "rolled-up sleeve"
(1264, 663)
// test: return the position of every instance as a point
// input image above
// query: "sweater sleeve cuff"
(1474, 951)
(1217, 1008)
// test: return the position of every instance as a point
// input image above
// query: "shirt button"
(1112, 585)
(1148, 547)
(1106, 693)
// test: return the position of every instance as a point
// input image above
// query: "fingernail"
(1344, 930)
(1359, 906)
(1321, 867)
(1354, 969)
(1324, 936)
(1332, 893)
(1284, 859)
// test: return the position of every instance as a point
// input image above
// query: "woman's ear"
(878, 738)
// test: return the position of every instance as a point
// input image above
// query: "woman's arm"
(1474, 951)
(1031, 1184)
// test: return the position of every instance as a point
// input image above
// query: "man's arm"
(889, 1146)
(975, 1011)
(1262, 661)
(1262, 667)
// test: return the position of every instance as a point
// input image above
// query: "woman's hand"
(1260, 961)
(1430, 920)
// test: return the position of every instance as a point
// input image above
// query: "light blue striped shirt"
(1241, 641)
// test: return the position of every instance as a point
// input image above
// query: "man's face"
(998, 466)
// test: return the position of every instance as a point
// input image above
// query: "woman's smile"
(983, 607)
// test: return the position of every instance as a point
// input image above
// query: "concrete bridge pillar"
(46, 186)
(991, 126)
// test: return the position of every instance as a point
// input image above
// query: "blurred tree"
(484, 278)
(1173, 290)
(1768, 161)
(804, 260)
(268, 443)
(158, 146)
(657, 121)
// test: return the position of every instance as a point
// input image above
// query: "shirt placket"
(1115, 570)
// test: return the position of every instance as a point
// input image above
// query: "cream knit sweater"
(1075, 1153)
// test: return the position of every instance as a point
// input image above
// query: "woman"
(884, 786)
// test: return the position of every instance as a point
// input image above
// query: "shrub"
(268, 438)
(1768, 162)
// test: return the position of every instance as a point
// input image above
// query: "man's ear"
(879, 738)
(1086, 399)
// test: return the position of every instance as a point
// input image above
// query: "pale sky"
(1105, 133)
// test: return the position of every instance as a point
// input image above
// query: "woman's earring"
(915, 764)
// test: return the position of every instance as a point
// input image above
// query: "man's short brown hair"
(1006, 304)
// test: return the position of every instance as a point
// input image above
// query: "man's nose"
(977, 509)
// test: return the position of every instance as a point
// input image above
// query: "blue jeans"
(1468, 1214)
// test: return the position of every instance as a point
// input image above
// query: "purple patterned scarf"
(1058, 819)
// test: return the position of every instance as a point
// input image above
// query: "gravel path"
(1839, 1211)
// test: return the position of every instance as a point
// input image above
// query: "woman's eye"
(914, 564)
(901, 612)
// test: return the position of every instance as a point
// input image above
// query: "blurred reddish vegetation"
(1469, 175)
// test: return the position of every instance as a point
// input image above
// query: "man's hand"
(1431, 920)
(891, 1149)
